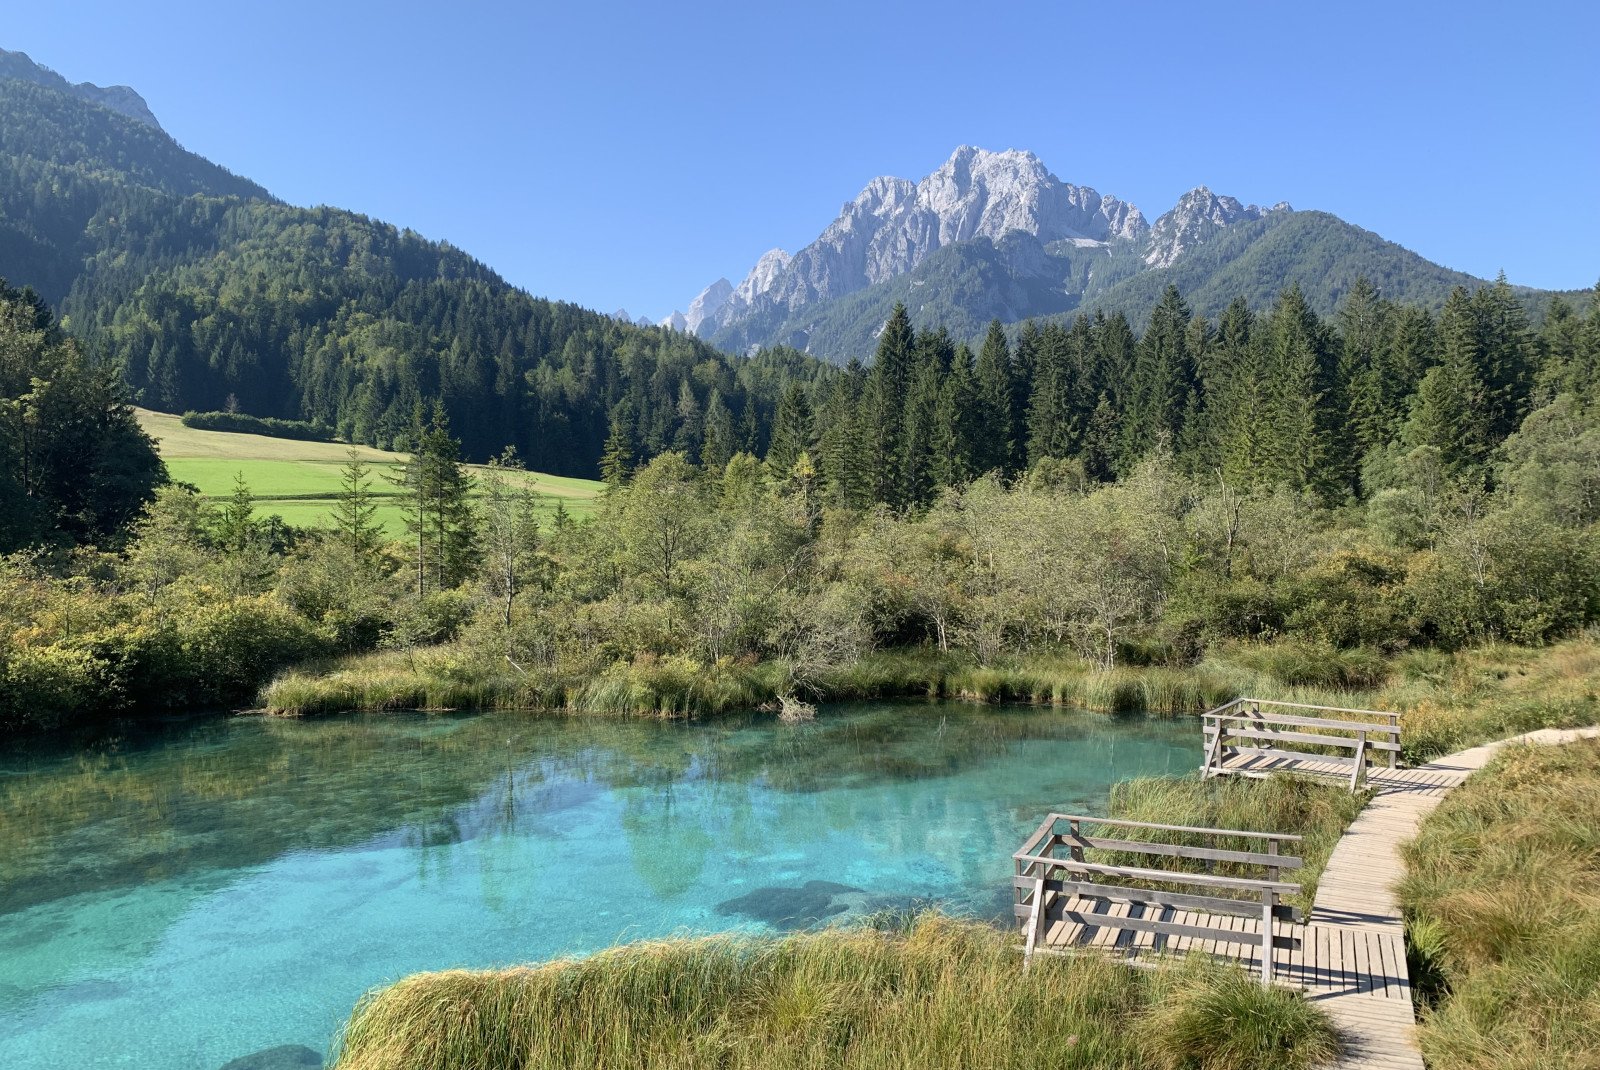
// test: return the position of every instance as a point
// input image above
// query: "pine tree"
(918, 464)
(616, 463)
(884, 404)
(1050, 406)
(1162, 381)
(235, 522)
(1449, 411)
(687, 438)
(792, 431)
(1115, 350)
(1242, 409)
(993, 430)
(355, 510)
(718, 448)
(749, 436)
(1303, 444)
(957, 425)
(844, 469)
(1024, 373)
(1196, 446)
(1505, 361)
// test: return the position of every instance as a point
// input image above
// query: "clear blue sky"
(629, 154)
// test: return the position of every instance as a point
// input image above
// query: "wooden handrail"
(1304, 706)
(1053, 818)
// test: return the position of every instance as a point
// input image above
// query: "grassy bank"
(941, 993)
(1502, 899)
(1448, 700)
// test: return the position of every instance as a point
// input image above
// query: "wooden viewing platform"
(1348, 956)
(1243, 740)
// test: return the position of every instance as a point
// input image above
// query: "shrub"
(239, 423)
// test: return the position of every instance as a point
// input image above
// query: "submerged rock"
(283, 1057)
(795, 908)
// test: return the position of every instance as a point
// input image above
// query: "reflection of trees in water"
(166, 800)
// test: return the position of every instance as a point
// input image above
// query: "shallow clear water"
(191, 893)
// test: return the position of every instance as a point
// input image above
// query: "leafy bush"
(240, 423)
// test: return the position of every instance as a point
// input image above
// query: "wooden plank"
(1120, 893)
(1298, 756)
(1298, 722)
(1199, 880)
(1175, 828)
(1306, 737)
(1151, 926)
(1181, 851)
(1303, 706)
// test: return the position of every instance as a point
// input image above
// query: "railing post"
(1077, 849)
(1394, 738)
(1358, 778)
(1268, 898)
(1035, 924)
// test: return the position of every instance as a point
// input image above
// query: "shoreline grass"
(939, 993)
(1447, 701)
(1502, 905)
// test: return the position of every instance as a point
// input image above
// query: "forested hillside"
(210, 295)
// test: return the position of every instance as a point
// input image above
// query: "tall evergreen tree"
(616, 462)
(1304, 439)
(1449, 410)
(845, 468)
(718, 447)
(1024, 360)
(1162, 382)
(918, 464)
(1050, 408)
(957, 424)
(885, 408)
(356, 509)
(993, 432)
(792, 430)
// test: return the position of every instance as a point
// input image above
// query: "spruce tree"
(792, 428)
(884, 426)
(691, 430)
(1449, 411)
(1242, 408)
(993, 431)
(918, 464)
(1162, 381)
(235, 521)
(1050, 430)
(355, 510)
(957, 426)
(1303, 449)
(718, 447)
(1115, 352)
(1023, 373)
(616, 463)
(844, 468)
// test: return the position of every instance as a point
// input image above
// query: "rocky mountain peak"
(119, 98)
(1195, 218)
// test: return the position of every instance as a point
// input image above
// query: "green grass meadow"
(299, 481)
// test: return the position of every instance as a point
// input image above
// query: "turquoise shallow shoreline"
(219, 887)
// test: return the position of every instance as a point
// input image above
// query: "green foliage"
(74, 464)
(254, 425)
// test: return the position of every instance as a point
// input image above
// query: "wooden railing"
(1052, 870)
(1242, 727)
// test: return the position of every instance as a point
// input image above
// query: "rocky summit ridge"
(894, 225)
(119, 98)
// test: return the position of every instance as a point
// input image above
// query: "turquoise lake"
(191, 892)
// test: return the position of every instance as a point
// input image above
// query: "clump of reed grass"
(1503, 889)
(937, 992)
(1300, 806)
(1212, 1017)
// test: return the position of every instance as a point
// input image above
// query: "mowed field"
(300, 480)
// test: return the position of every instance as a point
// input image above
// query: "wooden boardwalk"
(1349, 954)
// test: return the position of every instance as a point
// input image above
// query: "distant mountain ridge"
(997, 235)
(119, 98)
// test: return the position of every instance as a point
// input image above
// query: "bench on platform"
(1257, 737)
(1065, 902)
